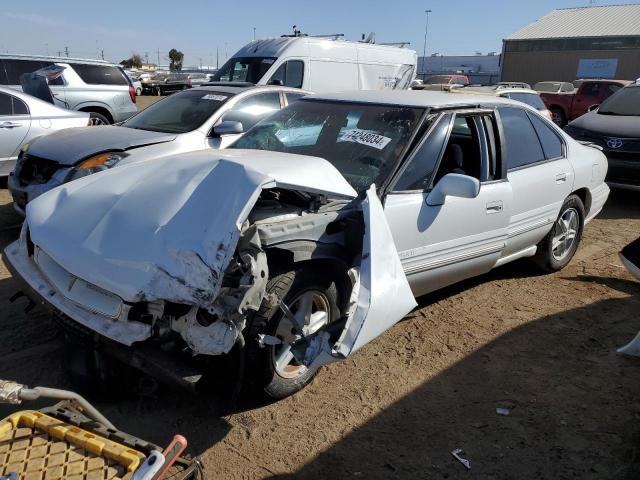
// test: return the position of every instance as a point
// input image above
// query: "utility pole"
(66, 51)
(254, 34)
(217, 58)
(226, 53)
(59, 53)
(424, 49)
(102, 54)
(146, 58)
(158, 57)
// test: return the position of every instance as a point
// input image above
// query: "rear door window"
(100, 74)
(522, 144)
(5, 105)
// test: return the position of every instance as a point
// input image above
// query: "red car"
(567, 106)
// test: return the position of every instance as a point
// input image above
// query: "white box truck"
(321, 64)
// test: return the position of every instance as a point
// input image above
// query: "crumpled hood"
(71, 145)
(612, 125)
(166, 228)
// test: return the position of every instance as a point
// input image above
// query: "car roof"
(88, 61)
(416, 98)
(495, 91)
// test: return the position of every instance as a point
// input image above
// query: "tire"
(98, 119)
(558, 116)
(261, 362)
(554, 253)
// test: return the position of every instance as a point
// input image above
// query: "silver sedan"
(23, 118)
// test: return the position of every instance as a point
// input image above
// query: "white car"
(23, 118)
(198, 118)
(312, 234)
(521, 94)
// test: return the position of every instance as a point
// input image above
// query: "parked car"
(555, 87)
(513, 85)
(615, 127)
(311, 235)
(24, 118)
(444, 82)
(197, 79)
(102, 89)
(137, 84)
(199, 118)
(530, 97)
(321, 64)
(150, 83)
(567, 106)
(163, 84)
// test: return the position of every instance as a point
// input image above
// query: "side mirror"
(454, 185)
(593, 107)
(276, 81)
(228, 127)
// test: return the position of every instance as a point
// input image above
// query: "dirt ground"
(542, 346)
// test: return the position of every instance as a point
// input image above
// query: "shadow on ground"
(457, 409)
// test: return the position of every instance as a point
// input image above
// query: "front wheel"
(312, 298)
(557, 248)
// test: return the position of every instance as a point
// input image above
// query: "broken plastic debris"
(456, 454)
(632, 348)
(503, 411)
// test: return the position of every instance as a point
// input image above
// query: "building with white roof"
(572, 43)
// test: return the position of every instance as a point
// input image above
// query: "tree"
(135, 61)
(176, 57)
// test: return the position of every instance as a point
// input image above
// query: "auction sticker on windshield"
(365, 137)
(212, 96)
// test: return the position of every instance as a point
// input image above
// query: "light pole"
(254, 34)
(424, 50)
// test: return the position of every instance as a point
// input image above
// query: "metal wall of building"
(532, 67)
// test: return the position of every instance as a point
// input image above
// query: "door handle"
(494, 207)
(561, 177)
(10, 125)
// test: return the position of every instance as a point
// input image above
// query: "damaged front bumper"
(23, 194)
(42, 291)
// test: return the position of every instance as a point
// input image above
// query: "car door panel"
(441, 245)
(13, 128)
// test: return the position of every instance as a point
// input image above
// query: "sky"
(199, 28)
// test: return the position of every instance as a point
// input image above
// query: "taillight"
(132, 93)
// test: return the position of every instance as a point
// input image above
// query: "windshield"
(179, 113)
(244, 69)
(362, 141)
(625, 101)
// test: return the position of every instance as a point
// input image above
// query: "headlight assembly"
(95, 164)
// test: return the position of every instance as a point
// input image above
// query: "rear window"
(100, 74)
(12, 69)
(179, 113)
(529, 98)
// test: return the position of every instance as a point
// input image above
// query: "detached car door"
(539, 172)
(15, 122)
(462, 237)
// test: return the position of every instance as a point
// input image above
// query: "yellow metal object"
(39, 447)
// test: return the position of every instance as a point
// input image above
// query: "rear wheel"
(556, 250)
(98, 119)
(312, 298)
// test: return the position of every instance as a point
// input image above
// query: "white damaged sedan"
(313, 234)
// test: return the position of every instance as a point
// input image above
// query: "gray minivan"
(93, 86)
